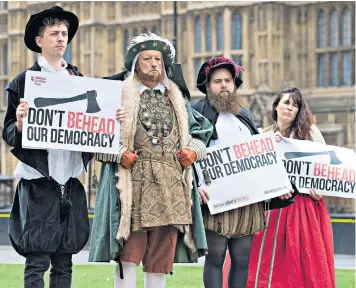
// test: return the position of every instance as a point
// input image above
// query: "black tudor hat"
(214, 63)
(151, 41)
(36, 21)
(176, 76)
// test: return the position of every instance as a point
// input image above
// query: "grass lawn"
(100, 276)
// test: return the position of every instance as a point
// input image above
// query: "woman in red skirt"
(296, 250)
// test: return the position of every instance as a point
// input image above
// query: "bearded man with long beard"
(219, 79)
(147, 206)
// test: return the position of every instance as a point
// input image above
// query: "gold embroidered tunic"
(159, 196)
(238, 222)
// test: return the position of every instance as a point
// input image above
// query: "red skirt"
(295, 250)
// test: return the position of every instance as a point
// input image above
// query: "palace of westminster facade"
(310, 45)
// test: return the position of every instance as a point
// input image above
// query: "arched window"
(346, 27)
(208, 34)
(155, 30)
(112, 35)
(321, 29)
(135, 32)
(68, 54)
(219, 32)
(197, 35)
(321, 71)
(346, 69)
(238, 60)
(197, 64)
(236, 31)
(334, 75)
(144, 30)
(6, 60)
(334, 29)
(126, 41)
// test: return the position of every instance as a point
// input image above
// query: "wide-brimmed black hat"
(214, 63)
(151, 41)
(36, 21)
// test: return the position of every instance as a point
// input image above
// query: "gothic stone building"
(306, 44)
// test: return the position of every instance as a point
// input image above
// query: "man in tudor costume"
(219, 79)
(49, 218)
(147, 206)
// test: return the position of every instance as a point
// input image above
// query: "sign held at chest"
(71, 113)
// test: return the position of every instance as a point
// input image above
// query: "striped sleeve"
(115, 158)
(198, 147)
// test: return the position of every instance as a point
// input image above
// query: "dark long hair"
(304, 119)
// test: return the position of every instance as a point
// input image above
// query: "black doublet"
(39, 222)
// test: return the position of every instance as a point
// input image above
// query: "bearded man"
(219, 79)
(147, 207)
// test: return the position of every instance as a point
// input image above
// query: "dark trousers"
(239, 249)
(38, 263)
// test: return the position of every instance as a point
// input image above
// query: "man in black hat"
(219, 79)
(150, 212)
(49, 218)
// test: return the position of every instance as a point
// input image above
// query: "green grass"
(345, 278)
(101, 276)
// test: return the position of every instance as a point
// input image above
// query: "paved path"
(9, 256)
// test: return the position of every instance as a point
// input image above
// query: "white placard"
(331, 170)
(71, 113)
(242, 173)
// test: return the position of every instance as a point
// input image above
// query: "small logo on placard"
(38, 80)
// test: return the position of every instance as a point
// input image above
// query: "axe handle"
(289, 155)
(44, 102)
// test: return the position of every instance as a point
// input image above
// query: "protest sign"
(329, 169)
(242, 173)
(71, 113)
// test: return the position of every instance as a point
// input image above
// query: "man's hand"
(21, 112)
(186, 157)
(203, 195)
(120, 114)
(129, 158)
(315, 195)
(287, 196)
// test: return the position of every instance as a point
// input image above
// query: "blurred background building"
(306, 44)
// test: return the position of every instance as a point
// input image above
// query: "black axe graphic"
(333, 158)
(92, 104)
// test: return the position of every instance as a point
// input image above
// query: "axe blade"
(334, 160)
(93, 106)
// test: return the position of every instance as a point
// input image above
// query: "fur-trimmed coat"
(107, 238)
(131, 103)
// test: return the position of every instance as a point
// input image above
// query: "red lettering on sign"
(71, 122)
(334, 173)
(253, 148)
(237, 151)
(90, 123)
